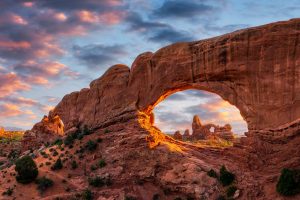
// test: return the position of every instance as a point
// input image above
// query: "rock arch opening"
(198, 114)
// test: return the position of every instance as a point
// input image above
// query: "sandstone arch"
(255, 69)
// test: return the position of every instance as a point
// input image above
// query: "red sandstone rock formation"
(186, 135)
(46, 131)
(248, 68)
(203, 132)
(177, 135)
(255, 69)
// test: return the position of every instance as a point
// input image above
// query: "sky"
(49, 48)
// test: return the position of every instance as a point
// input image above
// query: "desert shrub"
(130, 198)
(99, 140)
(230, 191)
(107, 131)
(26, 169)
(69, 140)
(74, 164)
(221, 197)
(58, 142)
(86, 130)
(87, 195)
(102, 163)
(8, 192)
(155, 197)
(99, 181)
(48, 163)
(226, 177)
(94, 167)
(14, 154)
(44, 154)
(55, 153)
(43, 183)
(96, 181)
(212, 173)
(289, 182)
(91, 145)
(57, 165)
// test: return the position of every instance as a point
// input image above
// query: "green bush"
(91, 145)
(107, 131)
(289, 182)
(58, 142)
(14, 154)
(130, 198)
(74, 164)
(221, 197)
(55, 153)
(69, 140)
(43, 183)
(102, 163)
(226, 177)
(86, 130)
(99, 140)
(96, 181)
(212, 173)
(57, 165)
(26, 169)
(94, 167)
(8, 192)
(155, 197)
(87, 195)
(230, 191)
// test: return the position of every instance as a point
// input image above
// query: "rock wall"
(255, 69)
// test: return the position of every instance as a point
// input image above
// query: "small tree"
(26, 169)
(226, 177)
(102, 163)
(289, 182)
(96, 181)
(91, 145)
(87, 195)
(57, 165)
(74, 164)
(43, 183)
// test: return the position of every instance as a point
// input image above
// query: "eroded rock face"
(46, 131)
(255, 69)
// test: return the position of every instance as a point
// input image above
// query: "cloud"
(183, 9)
(170, 35)
(97, 55)
(10, 83)
(9, 110)
(20, 101)
(224, 29)
(39, 73)
(156, 31)
(99, 6)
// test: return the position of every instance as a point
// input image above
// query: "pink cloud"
(17, 19)
(9, 110)
(15, 45)
(11, 83)
(28, 4)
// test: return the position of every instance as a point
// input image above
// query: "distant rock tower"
(177, 135)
